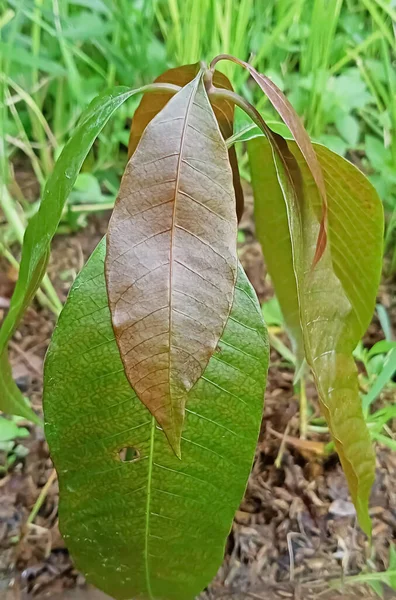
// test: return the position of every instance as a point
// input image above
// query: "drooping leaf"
(155, 527)
(152, 104)
(335, 300)
(171, 256)
(286, 111)
(42, 228)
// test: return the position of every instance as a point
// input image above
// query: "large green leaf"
(156, 527)
(333, 301)
(42, 227)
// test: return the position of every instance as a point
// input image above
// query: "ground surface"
(295, 530)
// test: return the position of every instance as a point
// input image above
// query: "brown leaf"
(171, 256)
(309, 445)
(151, 104)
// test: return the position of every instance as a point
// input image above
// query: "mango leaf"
(42, 228)
(171, 257)
(152, 104)
(286, 111)
(335, 300)
(154, 527)
(272, 231)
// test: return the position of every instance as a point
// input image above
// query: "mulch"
(295, 533)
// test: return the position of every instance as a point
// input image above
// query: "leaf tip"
(365, 521)
(175, 442)
(173, 428)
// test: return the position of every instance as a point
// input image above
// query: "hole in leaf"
(129, 454)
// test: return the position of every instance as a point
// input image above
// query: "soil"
(295, 533)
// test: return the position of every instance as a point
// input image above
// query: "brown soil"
(295, 530)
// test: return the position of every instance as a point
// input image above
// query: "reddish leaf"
(292, 120)
(171, 257)
(151, 104)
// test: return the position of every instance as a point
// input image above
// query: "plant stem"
(278, 460)
(42, 496)
(281, 348)
(303, 409)
(249, 109)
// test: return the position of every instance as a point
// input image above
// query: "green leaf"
(85, 26)
(334, 143)
(42, 228)
(376, 152)
(334, 301)
(272, 231)
(154, 527)
(10, 430)
(382, 380)
(12, 401)
(26, 58)
(381, 347)
(348, 128)
(272, 312)
(392, 566)
(377, 587)
(385, 321)
(246, 130)
(349, 90)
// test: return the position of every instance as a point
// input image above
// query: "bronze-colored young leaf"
(336, 299)
(293, 122)
(171, 256)
(151, 104)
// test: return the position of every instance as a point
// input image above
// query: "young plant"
(155, 376)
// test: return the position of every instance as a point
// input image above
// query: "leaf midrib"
(172, 232)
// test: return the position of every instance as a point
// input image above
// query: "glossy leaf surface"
(171, 257)
(42, 228)
(335, 300)
(152, 104)
(155, 527)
